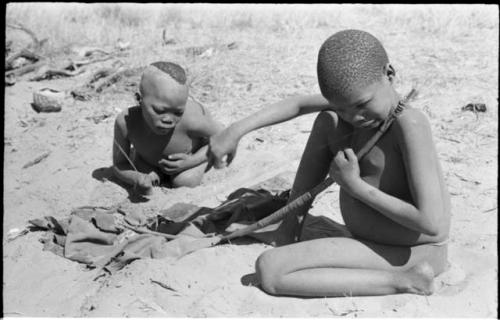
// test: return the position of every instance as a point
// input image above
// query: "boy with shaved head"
(394, 201)
(168, 132)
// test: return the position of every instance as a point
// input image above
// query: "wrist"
(355, 187)
(194, 161)
(236, 131)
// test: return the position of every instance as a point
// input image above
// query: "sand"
(219, 281)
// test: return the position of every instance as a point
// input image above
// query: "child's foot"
(420, 279)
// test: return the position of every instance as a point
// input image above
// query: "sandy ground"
(218, 281)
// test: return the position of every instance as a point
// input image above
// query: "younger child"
(168, 132)
(394, 201)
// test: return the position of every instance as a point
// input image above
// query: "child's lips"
(367, 124)
(164, 129)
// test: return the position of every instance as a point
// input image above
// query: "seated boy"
(168, 132)
(394, 201)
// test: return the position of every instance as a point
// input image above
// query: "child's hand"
(344, 169)
(154, 177)
(176, 163)
(145, 183)
(221, 144)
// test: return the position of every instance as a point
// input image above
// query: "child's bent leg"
(189, 178)
(343, 266)
(313, 168)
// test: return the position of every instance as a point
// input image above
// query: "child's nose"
(358, 117)
(167, 119)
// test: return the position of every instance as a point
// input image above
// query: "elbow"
(115, 170)
(431, 226)
(432, 231)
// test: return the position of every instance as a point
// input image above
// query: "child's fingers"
(168, 166)
(209, 165)
(217, 162)
(340, 157)
(177, 156)
(350, 155)
(230, 157)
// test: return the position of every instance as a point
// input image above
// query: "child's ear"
(389, 72)
(138, 97)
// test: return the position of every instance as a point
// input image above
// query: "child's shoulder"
(194, 113)
(129, 113)
(412, 126)
(411, 117)
(128, 117)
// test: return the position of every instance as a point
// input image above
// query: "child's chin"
(163, 131)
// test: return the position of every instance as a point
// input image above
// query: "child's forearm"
(199, 156)
(395, 209)
(279, 112)
(126, 174)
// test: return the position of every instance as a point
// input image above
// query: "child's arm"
(122, 168)
(202, 126)
(226, 142)
(422, 171)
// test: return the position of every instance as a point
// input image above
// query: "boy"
(169, 133)
(394, 201)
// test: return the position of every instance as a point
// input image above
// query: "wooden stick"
(26, 69)
(24, 53)
(154, 233)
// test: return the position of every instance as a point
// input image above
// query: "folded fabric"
(96, 237)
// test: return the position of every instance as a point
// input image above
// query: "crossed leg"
(345, 266)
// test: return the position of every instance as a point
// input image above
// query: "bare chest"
(383, 166)
(153, 148)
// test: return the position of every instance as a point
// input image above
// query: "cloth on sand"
(96, 237)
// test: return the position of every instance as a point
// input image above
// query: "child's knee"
(326, 118)
(267, 272)
(189, 179)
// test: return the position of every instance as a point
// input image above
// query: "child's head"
(163, 95)
(354, 74)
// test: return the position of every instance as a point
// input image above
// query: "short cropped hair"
(172, 69)
(348, 58)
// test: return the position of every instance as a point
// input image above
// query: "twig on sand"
(24, 53)
(36, 160)
(465, 179)
(164, 285)
(15, 233)
(51, 73)
(26, 69)
(152, 305)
